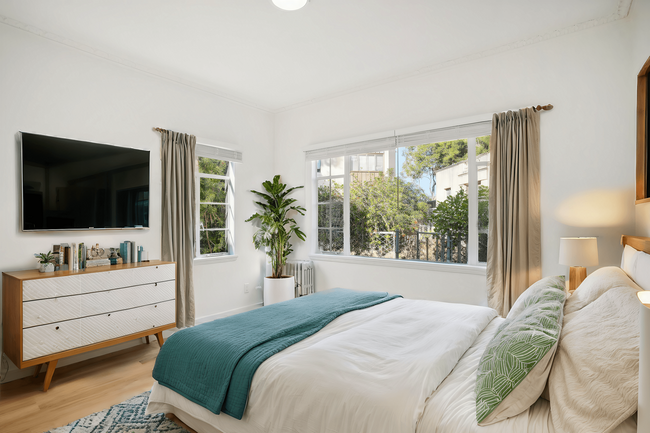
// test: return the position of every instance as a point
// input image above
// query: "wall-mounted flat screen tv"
(78, 185)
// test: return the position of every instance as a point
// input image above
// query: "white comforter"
(370, 371)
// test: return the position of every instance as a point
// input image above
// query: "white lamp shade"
(290, 5)
(579, 251)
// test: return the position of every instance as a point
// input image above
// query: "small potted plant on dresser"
(46, 262)
(274, 235)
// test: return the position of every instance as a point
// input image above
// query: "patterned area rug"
(126, 417)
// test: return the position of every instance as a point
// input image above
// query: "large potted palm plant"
(274, 235)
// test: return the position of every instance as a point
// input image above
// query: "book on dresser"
(49, 316)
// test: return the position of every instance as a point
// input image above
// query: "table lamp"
(578, 253)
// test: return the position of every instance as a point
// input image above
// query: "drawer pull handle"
(155, 284)
(109, 314)
(155, 306)
(57, 328)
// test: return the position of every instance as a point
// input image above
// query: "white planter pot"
(46, 267)
(279, 289)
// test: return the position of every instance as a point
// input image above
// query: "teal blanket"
(213, 364)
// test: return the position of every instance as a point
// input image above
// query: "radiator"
(305, 275)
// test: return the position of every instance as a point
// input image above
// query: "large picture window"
(423, 202)
(214, 207)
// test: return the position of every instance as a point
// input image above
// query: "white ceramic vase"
(279, 289)
(46, 267)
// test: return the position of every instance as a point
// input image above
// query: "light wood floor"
(77, 390)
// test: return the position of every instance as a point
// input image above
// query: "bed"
(400, 366)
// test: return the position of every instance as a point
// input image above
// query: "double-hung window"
(414, 196)
(215, 199)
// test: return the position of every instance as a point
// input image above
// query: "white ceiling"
(251, 51)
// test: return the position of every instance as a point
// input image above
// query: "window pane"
(213, 166)
(213, 242)
(212, 216)
(374, 213)
(380, 162)
(324, 212)
(324, 240)
(337, 241)
(363, 162)
(354, 163)
(371, 162)
(325, 167)
(337, 168)
(324, 190)
(213, 190)
(483, 177)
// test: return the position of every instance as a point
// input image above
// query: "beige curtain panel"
(178, 217)
(514, 251)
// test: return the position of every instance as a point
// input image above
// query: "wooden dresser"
(49, 316)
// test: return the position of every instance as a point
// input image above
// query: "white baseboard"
(227, 313)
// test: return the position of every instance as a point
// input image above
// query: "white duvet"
(370, 370)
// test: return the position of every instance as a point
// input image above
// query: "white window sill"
(215, 259)
(408, 264)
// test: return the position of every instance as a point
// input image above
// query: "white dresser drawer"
(96, 281)
(113, 325)
(51, 310)
(122, 299)
(48, 339)
(50, 288)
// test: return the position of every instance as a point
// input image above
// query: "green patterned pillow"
(514, 368)
(532, 294)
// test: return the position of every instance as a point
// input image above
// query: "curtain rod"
(546, 107)
(543, 107)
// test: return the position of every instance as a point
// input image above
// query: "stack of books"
(130, 252)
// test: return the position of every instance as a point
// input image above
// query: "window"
(330, 185)
(425, 202)
(214, 207)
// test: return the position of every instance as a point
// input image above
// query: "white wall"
(640, 17)
(53, 89)
(587, 143)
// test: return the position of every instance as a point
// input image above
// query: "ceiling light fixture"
(290, 5)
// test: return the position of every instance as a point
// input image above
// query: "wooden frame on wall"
(642, 133)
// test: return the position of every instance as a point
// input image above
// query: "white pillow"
(595, 285)
(594, 380)
(641, 272)
(629, 260)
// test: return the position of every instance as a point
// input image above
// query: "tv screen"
(78, 185)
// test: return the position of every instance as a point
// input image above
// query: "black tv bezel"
(19, 139)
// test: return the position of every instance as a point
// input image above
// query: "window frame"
(642, 133)
(230, 209)
(473, 204)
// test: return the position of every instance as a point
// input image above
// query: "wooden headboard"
(637, 242)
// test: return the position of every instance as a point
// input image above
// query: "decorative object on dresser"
(51, 316)
(277, 227)
(46, 261)
(578, 253)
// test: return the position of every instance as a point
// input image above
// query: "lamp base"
(577, 275)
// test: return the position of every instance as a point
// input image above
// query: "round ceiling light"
(290, 5)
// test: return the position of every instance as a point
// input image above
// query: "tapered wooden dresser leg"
(50, 372)
(147, 339)
(160, 338)
(37, 370)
